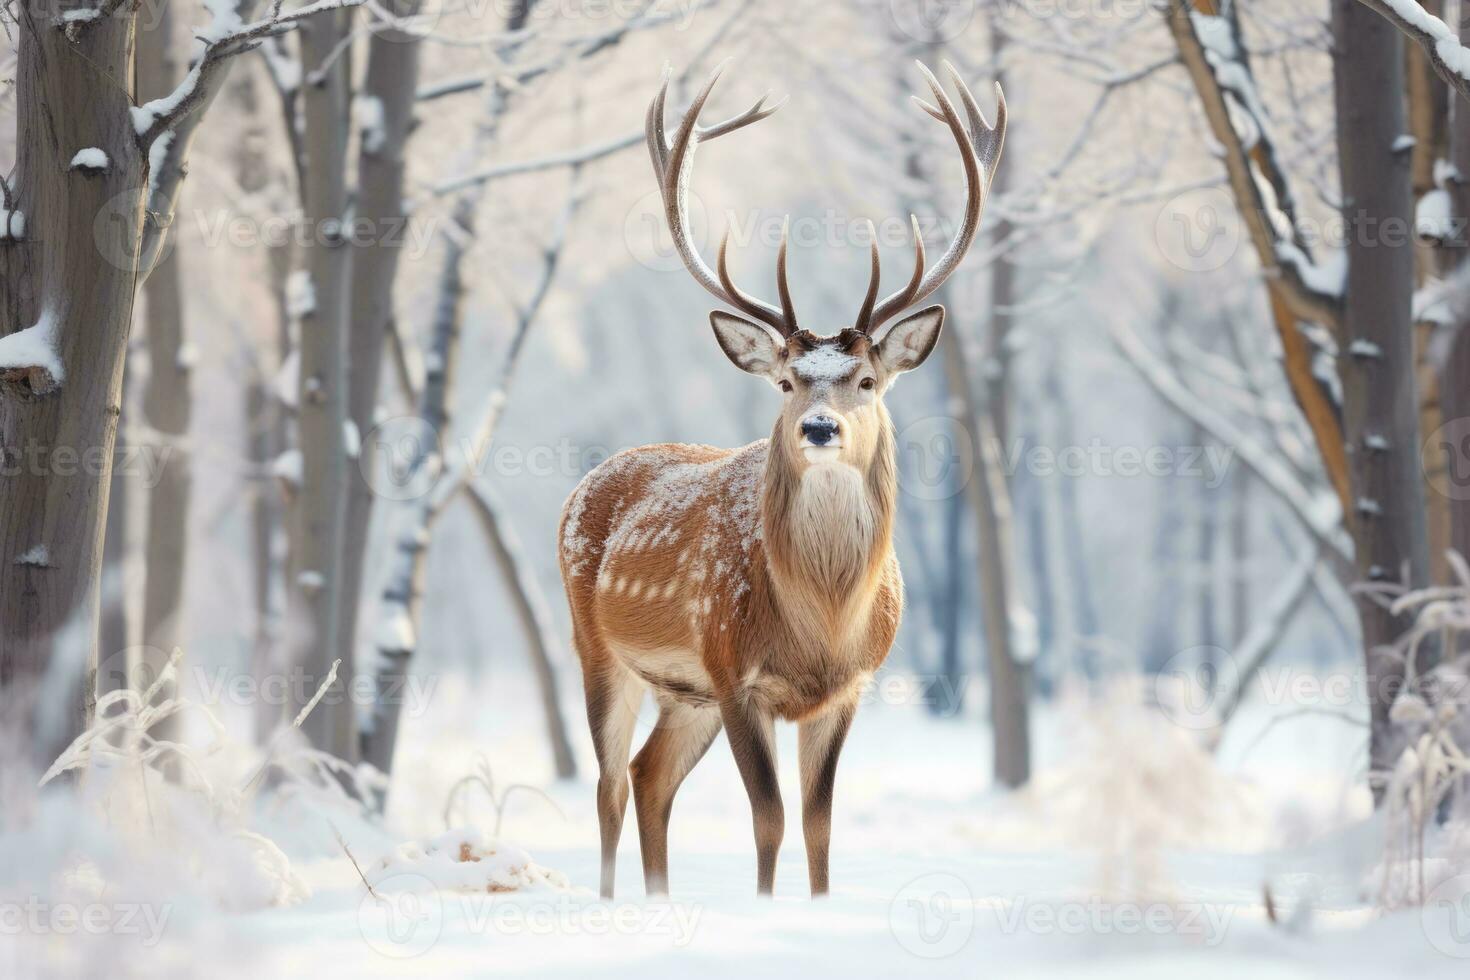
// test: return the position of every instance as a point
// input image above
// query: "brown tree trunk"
(1380, 404)
(75, 270)
(1454, 378)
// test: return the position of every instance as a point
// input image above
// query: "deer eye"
(867, 384)
(785, 385)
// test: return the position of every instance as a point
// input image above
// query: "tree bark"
(1380, 405)
(314, 589)
(75, 269)
(388, 91)
(1454, 378)
(166, 407)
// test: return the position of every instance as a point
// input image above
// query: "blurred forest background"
(1193, 416)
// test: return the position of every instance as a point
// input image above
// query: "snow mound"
(463, 860)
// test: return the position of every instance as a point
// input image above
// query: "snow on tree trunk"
(74, 270)
(314, 585)
(385, 116)
(399, 604)
(1380, 407)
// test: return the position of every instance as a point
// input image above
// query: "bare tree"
(166, 406)
(314, 588)
(1380, 406)
(87, 160)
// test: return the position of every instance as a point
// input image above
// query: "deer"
(742, 586)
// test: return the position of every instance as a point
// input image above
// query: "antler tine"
(783, 287)
(865, 315)
(980, 152)
(986, 139)
(748, 304)
(865, 321)
(673, 164)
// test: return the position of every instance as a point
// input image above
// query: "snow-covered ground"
(1132, 854)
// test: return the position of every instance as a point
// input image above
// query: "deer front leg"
(753, 741)
(820, 740)
(679, 740)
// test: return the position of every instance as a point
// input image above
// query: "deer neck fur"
(828, 532)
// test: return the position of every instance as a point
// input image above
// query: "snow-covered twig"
(1447, 56)
(1320, 516)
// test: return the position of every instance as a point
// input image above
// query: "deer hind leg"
(614, 694)
(679, 740)
(753, 741)
(820, 740)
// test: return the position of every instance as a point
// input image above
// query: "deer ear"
(911, 340)
(749, 346)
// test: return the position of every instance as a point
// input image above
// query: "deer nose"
(819, 429)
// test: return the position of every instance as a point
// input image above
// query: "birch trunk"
(388, 92)
(1380, 405)
(402, 598)
(314, 589)
(166, 408)
(75, 271)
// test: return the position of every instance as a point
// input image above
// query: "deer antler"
(980, 148)
(673, 164)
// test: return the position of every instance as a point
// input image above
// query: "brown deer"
(743, 585)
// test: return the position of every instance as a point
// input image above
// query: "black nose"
(819, 429)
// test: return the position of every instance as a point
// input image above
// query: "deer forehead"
(827, 364)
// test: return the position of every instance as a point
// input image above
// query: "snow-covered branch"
(1447, 56)
(224, 38)
(1213, 57)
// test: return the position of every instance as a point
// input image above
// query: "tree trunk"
(535, 619)
(1454, 377)
(165, 408)
(73, 274)
(1380, 406)
(388, 94)
(314, 588)
(402, 597)
(114, 632)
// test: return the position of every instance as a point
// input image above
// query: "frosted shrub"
(1424, 795)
